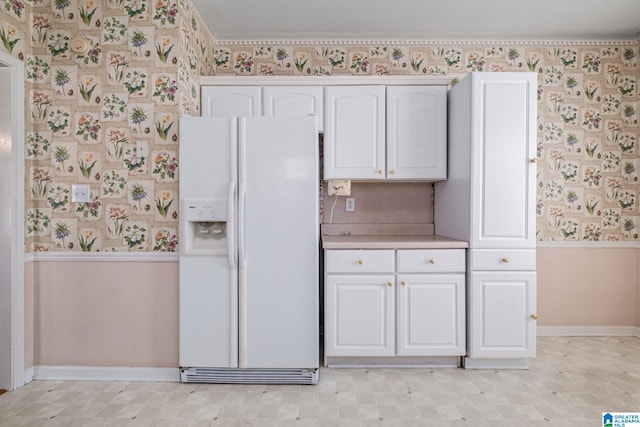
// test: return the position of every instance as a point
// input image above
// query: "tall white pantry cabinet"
(488, 200)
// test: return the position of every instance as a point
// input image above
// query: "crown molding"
(324, 80)
(422, 42)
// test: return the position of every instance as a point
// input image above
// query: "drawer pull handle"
(360, 262)
(534, 316)
(432, 261)
(505, 260)
(403, 283)
(389, 284)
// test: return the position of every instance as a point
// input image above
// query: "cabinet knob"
(389, 284)
(505, 260)
(380, 171)
(392, 171)
(360, 262)
(431, 261)
(403, 283)
(534, 316)
(534, 160)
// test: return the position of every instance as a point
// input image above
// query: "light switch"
(80, 193)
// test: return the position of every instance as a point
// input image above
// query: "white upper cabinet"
(240, 101)
(505, 147)
(416, 132)
(392, 132)
(294, 101)
(354, 142)
(489, 197)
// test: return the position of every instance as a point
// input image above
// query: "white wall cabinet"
(394, 303)
(294, 101)
(416, 132)
(241, 101)
(378, 133)
(489, 200)
(354, 140)
(263, 101)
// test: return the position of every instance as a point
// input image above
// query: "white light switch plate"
(80, 193)
(350, 204)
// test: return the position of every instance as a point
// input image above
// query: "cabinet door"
(294, 101)
(430, 319)
(502, 313)
(359, 315)
(504, 178)
(354, 141)
(240, 101)
(417, 132)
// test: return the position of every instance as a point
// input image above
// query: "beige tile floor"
(570, 383)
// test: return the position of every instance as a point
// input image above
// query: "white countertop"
(390, 241)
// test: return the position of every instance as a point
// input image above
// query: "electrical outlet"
(350, 204)
(339, 187)
(80, 193)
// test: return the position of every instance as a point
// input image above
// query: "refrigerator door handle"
(241, 207)
(231, 239)
(242, 267)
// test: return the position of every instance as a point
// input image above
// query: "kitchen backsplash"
(85, 114)
(382, 203)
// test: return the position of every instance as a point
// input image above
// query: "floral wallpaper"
(587, 114)
(89, 113)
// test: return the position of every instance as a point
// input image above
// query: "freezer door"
(278, 242)
(208, 331)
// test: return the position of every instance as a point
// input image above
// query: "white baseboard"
(587, 331)
(471, 363)
(28, 375)
(106, 373)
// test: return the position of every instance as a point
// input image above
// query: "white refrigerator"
(249, 247)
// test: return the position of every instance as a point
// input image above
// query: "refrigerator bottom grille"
(249, 376)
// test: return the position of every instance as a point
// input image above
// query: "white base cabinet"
(502, 314)
(394, 303)
(360, 314)
(429, 309)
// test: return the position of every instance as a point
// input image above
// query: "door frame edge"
(17, 220)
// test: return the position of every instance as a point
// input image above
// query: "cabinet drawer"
(431, 260)
(358, 261)
(496, 259)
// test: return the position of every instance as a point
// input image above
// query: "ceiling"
(421, 19)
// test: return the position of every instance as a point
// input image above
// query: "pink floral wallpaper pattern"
(87, 114)
(587, 113)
